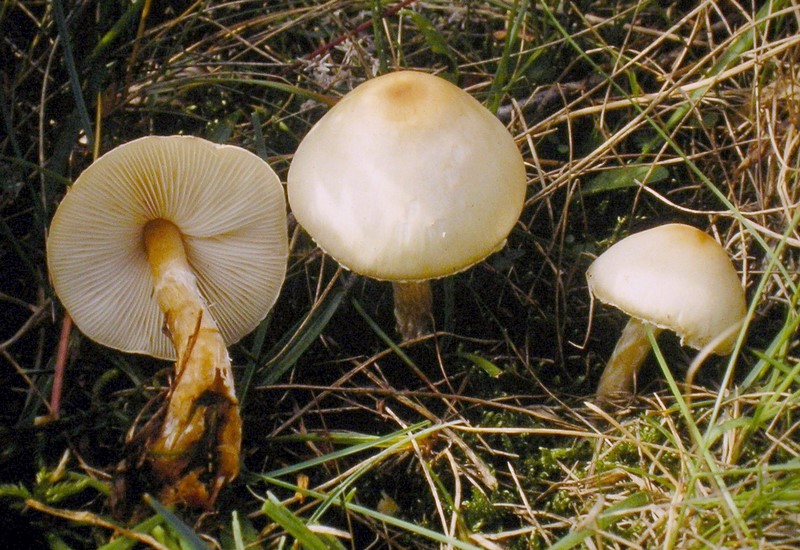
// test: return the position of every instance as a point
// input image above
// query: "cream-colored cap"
(407, 178)
(229, 206)
(675, 277)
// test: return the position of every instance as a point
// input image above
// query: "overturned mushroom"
(672, 277)
(408, 178)
(180, 233)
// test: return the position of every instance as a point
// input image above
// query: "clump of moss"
(479, 512)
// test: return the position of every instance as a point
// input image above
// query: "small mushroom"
(175, 247)
(672, 277)
(408, 178)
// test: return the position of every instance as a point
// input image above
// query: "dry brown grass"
(627, 114)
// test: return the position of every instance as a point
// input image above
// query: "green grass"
(483, 435)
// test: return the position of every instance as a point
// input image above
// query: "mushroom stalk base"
(630, 352)
(202, 408)
(413, 302)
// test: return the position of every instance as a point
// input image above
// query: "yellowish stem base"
(413, 302)
(630, 352)
(202, 407)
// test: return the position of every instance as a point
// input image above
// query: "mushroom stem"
(413, 302)
(202, 397)
(630, 352)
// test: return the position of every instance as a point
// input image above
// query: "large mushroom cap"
(407, 178)
(675, 277)
(229, 207)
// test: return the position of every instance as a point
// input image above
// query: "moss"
(479, 511)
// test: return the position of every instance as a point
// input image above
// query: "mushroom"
(180, 233)
(672, 277)
(406, 179)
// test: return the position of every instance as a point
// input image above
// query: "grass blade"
(296, 527)
(69, 60)
(607, 519)
(292, 346)
(186, 533)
